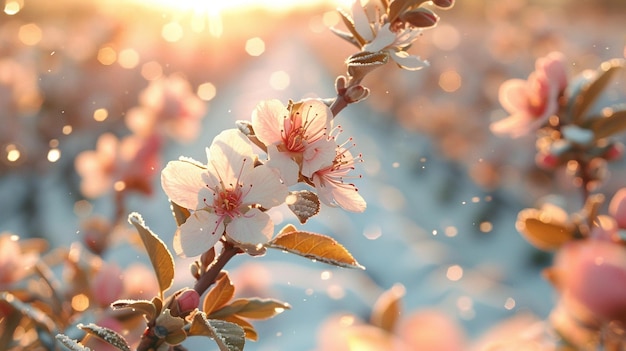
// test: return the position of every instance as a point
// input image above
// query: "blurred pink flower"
(617, 207)
(14, 262)
(127, 164)
(107, 284)
(531, 102)
(428, 330)
(300, 131)
(330, 185)
(168, 106)
(139, 282)
(591, 277)
(226, 195)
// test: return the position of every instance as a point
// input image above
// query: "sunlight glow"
(215, 7)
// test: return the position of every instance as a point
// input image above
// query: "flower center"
(227, 202)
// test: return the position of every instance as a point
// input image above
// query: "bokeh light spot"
(11, 7)
(450, 81)
(107, 56)
(485, 227)
(30, 34)
(80, 302)
(67, 129)
(255, 46)
(446, 37)
(280, 80)
(207, 91)
(13, 154)
(172, 32)
(54, 155)
(128, 58)
(454, 273)
(100, 114)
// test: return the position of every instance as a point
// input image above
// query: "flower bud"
(356, 93)
(96, 233)
(547, 161)
(444, 4)
(614, 152)
(107, 285)
(186, 301)
(420, 18)
(617, 207)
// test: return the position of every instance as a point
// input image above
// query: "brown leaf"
(347, 21)
(387, 309)
(161, 258)
(180, 213)
(228, 336)
(542, 231)
(398, 7)
(362, 63)
(609, 124)
(219, 295)
(108, 335)
(144, 307)
(254, 308)
(592, 89)
(70, 343)
(248, 328)
(314, 246)
(304, 204)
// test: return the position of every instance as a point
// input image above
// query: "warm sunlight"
(214, 7)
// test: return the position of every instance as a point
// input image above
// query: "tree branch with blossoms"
(221, 204)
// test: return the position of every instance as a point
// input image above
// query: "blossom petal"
(230, 155)
(315, 115)
(320, 154)
(182, 182)
(513, 95)
(199, 233)
(514, 126)
(286, 167)
(265, 188)
(254, 228)
(345, 196)
(384, 38)
(267, 121)
(407, 61)
(361, 22)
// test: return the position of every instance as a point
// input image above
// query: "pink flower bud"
(614, 152)
(187, 301)
(617, 207)
(107, 285)
(444, 4)
(420, 18)
(593, 278)
(547, 161)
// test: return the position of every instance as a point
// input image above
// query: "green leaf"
(144, 307)
(611, 123)
(254, 308)
(71, 344)
(542, 231)
(228, 336)
(314, 246)
(304, 204)
(219, 295)
(107, 335)
(180, 213)
(161, 258)
(387, 309)
(590, 92)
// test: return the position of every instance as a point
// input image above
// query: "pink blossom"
(300, 131)
(591, 276)
(14, 262)
(107, 284)
(617, 207)
(331, 187)
(531, 102)
(227, 195)
(126, 164)
(168, 106)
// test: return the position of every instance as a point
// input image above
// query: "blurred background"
(442, 192)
